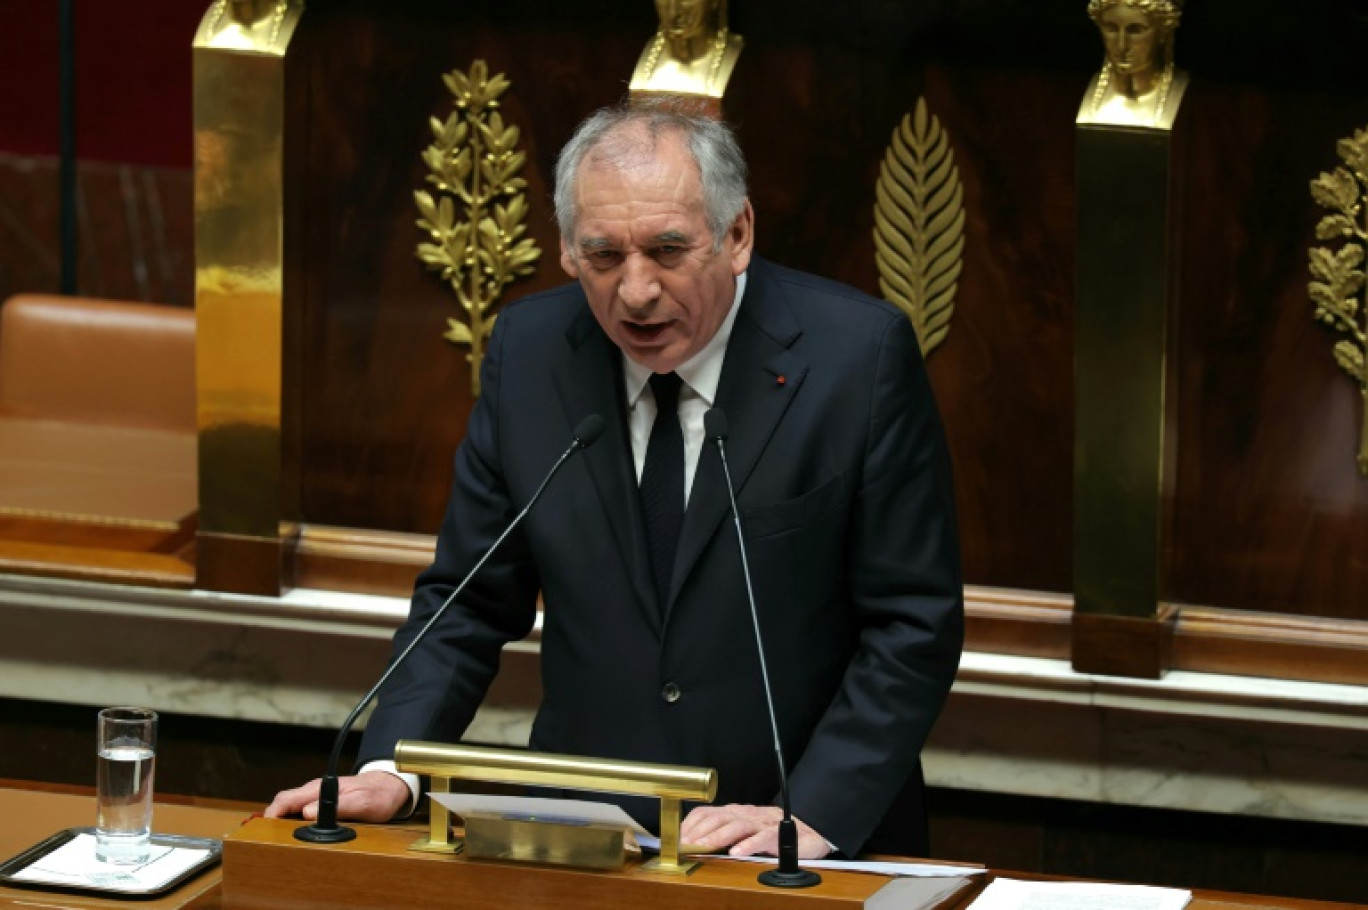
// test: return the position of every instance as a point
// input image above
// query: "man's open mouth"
(646, 331)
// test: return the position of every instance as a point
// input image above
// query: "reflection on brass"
(239, 118)
(472, 159)
(1138, 84)
(1338, 286)
(561, 842)
(692, 53)
(919, 225)
(669, 783)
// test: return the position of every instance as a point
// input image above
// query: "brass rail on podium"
(671, 784)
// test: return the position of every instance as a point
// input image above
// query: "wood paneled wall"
(1271, 514)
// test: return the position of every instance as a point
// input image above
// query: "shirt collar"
(702, 371)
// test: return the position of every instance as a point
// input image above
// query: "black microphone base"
(801, 878)
(313, 834)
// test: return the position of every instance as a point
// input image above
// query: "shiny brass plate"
(538, 839)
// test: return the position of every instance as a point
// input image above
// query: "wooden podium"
(264, 866)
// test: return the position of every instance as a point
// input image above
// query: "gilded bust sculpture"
(692, 53)
(1138, 84)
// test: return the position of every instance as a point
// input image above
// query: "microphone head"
(715, 424)
(589, 430)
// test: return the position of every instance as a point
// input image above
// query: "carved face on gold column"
(249, 12)
(687, 24)
(1138, 74)
(691, 53)
(1131, 39)
(1137, 35)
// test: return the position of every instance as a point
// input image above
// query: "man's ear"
(569, 263)
(742, 237)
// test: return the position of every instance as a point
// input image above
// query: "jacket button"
(670, 692)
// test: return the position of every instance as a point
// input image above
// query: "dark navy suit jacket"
(844, 489)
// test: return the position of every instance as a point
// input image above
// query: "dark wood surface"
(1270, 509)
(1271, 513)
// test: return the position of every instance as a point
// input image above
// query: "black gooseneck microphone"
(326, 830)
(788, 874)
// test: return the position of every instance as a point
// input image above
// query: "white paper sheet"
(1014, 894)
(74, 864)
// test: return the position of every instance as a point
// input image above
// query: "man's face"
(1130, 39)
(644, 256)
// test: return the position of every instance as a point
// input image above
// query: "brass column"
(1123, 394)
(248, 490)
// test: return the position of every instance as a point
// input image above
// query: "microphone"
(788, 874)
(326, 830)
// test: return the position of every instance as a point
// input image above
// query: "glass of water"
(127, 750)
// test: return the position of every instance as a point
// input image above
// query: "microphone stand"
(325, 829)
(788, 874)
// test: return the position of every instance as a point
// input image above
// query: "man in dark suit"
(842, 481)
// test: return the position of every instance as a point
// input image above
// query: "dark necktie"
(662, 482)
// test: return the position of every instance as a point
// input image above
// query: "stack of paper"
(1013, 894)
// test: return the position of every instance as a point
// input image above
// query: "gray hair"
(607, 136)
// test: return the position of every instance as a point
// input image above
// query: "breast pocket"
(790, 514)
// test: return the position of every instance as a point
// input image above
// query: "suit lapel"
(760, 377)
(590, 382)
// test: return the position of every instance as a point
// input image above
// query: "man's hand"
(373, 796)
(747, 830)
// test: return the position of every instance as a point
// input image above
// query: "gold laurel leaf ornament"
(919, 225)
(1337, 288)
(473, 163)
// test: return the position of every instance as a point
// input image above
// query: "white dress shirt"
(700, 374)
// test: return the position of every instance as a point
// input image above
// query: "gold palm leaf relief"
(919, 225)
(473, 162)
(1337, 288)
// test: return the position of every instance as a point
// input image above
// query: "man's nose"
(639, 287)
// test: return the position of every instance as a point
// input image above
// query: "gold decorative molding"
(919, 225)
(473, 160)
(1337, 286)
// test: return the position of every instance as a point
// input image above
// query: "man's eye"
(603, 257)
(668, 252)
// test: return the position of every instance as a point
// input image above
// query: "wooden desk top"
(30, 813)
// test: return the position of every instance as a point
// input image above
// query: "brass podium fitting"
(554, 842)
